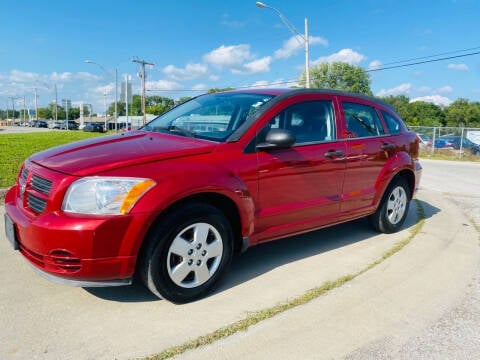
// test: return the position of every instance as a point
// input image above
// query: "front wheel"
(393, 209)
(187, 253)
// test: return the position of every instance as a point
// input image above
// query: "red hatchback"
(173, 201)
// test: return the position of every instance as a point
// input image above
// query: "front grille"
(36, 204)
(41, 185)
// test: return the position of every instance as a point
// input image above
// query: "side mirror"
(277, 139)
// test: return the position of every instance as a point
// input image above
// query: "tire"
(393, 209)
(187, 253)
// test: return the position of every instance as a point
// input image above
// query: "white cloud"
(445, 90)
(374, 65)
(435, 99)
(108, 89)
(397, 90)
(424, 89)
(230, 57)
(260, 84)
(201, 87)
(67, 76)
(163, 85)
(458, 67)
(295, 44)
(255, 67)
(190, 72)
(234, 24)
(278, 83)
(23, 76)
(348, 56)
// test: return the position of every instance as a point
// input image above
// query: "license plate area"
(10, 232)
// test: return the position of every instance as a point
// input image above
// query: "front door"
(300, 187)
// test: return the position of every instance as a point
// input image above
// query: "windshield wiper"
(180, 130)
(175, 129)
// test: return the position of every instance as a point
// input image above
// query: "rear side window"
(393, 124)
(361, 120)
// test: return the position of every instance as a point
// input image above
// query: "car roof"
(293, 91)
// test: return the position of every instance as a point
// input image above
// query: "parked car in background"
(41, 124)
(442, 144)
(69, 125)
(94, 127)
(458, 142)
(32, 123)
(424, 141)
(173, 201)
(55, 124)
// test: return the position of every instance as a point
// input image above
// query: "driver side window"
(310, 122)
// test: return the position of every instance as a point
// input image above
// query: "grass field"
(15, 148)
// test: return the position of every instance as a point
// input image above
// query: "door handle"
(331, 154)
(387, 147)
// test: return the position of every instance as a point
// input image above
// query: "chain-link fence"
(459, 141)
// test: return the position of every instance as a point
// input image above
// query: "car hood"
(96, 155)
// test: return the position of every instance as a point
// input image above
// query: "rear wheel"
(187, 253)
(393, 209)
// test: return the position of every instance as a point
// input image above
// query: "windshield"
(212, 117)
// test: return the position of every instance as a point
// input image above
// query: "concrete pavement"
(376, 313)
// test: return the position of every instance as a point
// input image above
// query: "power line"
(431, 56)
(293, 81)
(424, 62)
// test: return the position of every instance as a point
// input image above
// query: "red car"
(173, 201)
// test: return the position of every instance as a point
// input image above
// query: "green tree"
(183, 99)
(400, 103)
(120, 109)
(463, 113)
(158, 105)
(44, 113)
(214, 90)
(421, 113)
(339, 76)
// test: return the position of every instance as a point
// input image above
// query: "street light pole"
(36, 104)
(116, 92)
(295, 32)
(116, 98)
(105, 106)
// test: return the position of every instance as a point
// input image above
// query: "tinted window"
(393, 124)
(361, 120)
(310, 122)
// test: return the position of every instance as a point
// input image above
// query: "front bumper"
(77, 250)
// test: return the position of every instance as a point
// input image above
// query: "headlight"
(105, 195)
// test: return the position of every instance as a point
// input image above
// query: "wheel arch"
(222, 202)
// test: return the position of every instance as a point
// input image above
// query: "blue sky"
(198, 45)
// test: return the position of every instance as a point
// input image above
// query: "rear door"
(366, 153)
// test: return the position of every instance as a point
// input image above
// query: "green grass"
(15, 148)
(442, 154)
(310, 295)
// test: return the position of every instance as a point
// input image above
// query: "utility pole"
(56, 102)
(36, 103)
(142, 75)
(24, 109)
(105, 107)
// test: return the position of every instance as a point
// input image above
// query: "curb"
(3, 192)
